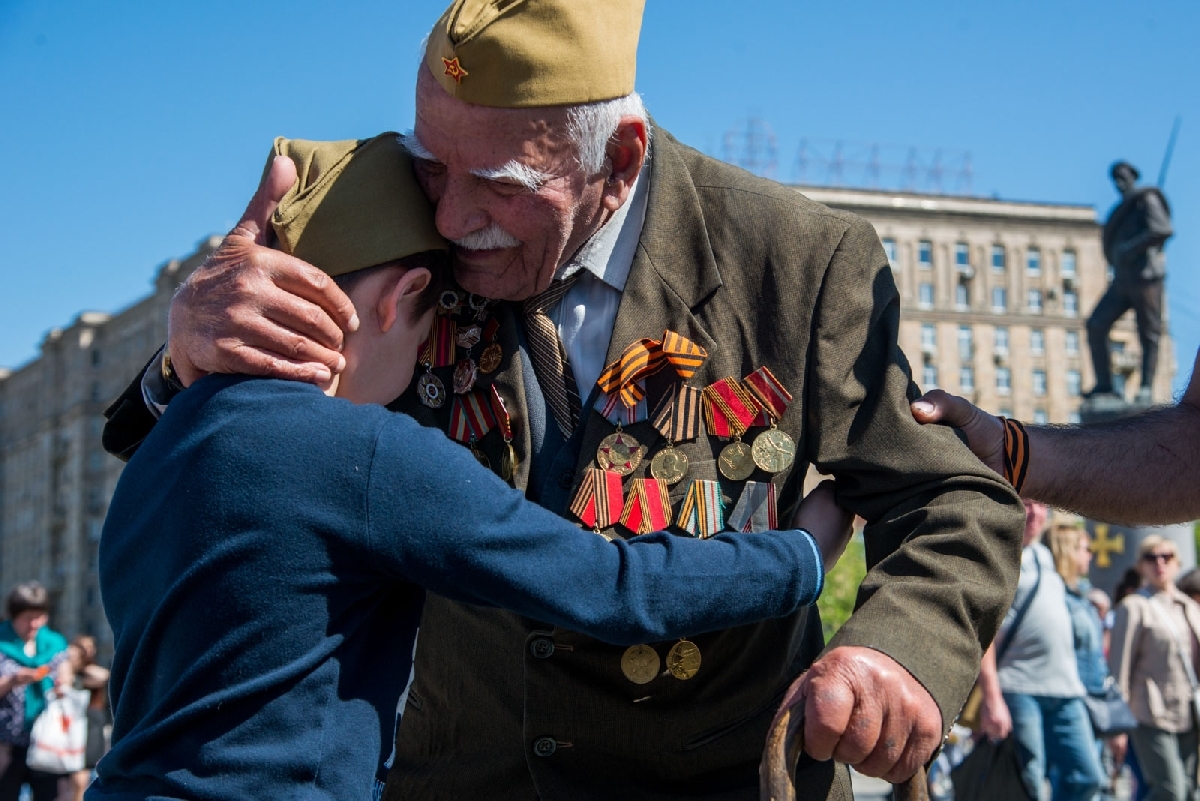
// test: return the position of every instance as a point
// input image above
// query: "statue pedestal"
(1102, 408)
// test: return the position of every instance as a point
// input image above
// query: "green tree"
(841, 587)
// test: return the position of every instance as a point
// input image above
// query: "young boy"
(267, 550)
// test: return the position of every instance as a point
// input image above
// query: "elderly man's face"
(508, 189)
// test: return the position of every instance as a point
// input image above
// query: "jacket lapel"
(673, 272)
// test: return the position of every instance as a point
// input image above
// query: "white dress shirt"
(587, 313)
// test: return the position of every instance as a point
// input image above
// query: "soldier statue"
(1133, 238)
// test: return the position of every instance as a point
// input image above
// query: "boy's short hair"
(27, 596)
(433, 260)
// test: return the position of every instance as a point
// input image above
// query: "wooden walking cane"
(785, 741)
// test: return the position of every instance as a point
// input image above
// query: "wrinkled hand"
(862, 708)
(985, 433)
(830, 524)
(995, 721)
(250, 309)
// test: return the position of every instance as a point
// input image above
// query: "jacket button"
(542, 648)
(566, 479)
(544, 746)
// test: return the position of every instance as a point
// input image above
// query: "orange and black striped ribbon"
(728, 408)
(641, 359)
(677, 417)
(683, 354)
(1016, 453)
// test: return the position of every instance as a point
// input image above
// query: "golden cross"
(1103, 545)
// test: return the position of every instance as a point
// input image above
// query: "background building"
(994, 298)
(55, 478)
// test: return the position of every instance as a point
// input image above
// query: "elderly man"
(649, 288)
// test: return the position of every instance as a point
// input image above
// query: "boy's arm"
(440, 520)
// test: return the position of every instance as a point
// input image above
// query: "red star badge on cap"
(454, 69)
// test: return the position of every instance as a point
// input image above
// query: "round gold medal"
(489, 360)
(431, 391)
(774, 451)
(669, 465)
(736, 462)
(620, 453)
(640, 664)
(683, 660)
(508, 461)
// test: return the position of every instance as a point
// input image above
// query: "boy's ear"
(401, 295)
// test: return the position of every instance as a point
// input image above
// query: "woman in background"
(32, 658)
(1155, 641)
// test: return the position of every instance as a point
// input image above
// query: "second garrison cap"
(355, 204)
(529, 53)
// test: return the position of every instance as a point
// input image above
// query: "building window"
(925, 296)
(929, 376)
(1037, 342)
(889, 248)
(999, 299)
(962, 296)
(95, 358)
(1003, 381)
(928, 338)
(966, 379)
(1033, 261)
(966, 344)
(962, 255)
(1039, 417)
(998, 260)
(1073, 383)
(1072, 343)
(1039, 383)
(1074, 419)
(1109, 273)
(1068, 264)
(95, 392)
(1000, 345)
(1070, 303)
(1035, 301)
(1005, 411)
(925, 254)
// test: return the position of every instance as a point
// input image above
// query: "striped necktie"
(549, 358)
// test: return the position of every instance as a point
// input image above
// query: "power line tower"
(752, 146)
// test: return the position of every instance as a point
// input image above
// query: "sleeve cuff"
(156, 392)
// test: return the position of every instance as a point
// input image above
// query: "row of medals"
(432, 392)
(772, 451)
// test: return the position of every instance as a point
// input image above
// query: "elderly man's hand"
(985, 433)
(250, 309)
(862, 708)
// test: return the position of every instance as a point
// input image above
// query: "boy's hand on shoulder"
(830, 524)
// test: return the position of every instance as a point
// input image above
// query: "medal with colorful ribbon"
(599, 501)
(677, 418)
(471, 418)
(647, 506)
(439, 351)
(728, 411)
(773, 450)
(702, 514)
(508, 457)
(755, 510)
(492, 353)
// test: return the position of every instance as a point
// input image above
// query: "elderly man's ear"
(625, 155)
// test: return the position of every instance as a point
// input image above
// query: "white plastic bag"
(59, 735)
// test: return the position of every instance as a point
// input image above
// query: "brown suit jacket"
(757, 275)
(1145, 660)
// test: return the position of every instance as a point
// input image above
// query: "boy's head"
(357, 213)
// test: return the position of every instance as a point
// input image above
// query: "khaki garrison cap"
(528, 53)
(356, 204)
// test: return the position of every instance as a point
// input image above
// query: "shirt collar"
(608, 254)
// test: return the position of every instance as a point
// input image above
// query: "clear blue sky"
(132, 130)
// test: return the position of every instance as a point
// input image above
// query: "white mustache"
(491, 238)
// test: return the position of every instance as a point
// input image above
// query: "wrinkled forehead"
(463, 134)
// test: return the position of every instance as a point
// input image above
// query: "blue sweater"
(262, 568)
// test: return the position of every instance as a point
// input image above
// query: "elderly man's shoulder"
(733, 187)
